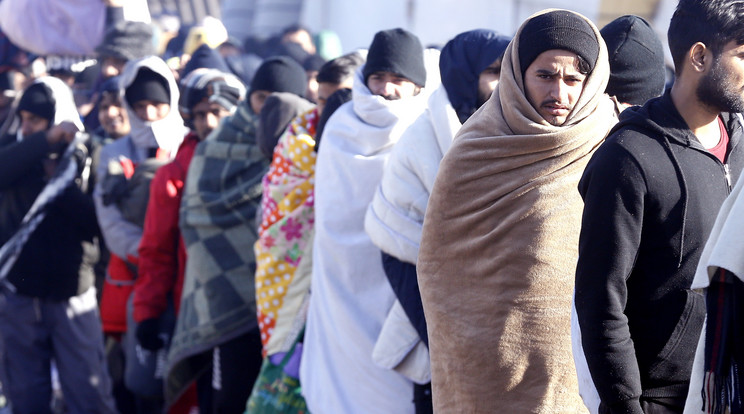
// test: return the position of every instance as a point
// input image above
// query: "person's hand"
(148, 334)
(63, 132)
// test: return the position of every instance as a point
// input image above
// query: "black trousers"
(236, 364)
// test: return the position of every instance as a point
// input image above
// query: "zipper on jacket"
(727, 174)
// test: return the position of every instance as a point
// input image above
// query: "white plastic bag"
(61, 27)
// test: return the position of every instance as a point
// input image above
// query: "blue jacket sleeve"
(402, 278)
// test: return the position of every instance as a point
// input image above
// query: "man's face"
(32, 123)
(150, 111)
(206, 116)
(722, 88)
(112, 116)
(257, 100)
(554, 84)
(111, 66)
(326, 89)
(487, 81)
(391, 86)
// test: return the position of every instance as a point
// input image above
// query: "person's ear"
(700, 57)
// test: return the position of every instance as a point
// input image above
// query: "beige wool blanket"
(499, 251)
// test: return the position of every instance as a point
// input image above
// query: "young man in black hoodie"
(652, 192)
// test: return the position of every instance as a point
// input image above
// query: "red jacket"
(162, 254)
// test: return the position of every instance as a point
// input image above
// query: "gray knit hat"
(127, 40)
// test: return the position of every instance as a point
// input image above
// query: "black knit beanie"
(127, 40)
(636, 60)
(205, 57)
(280, 74)
(559, 29)
(147, 85)
(38, 100)
(397, 51)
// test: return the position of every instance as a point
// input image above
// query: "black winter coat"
(652, 194)
(57, 261)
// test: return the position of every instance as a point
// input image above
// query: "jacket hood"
(462, 60)
(660, 116)
(166, 133)
(64, 104)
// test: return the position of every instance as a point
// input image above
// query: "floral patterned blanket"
(286, 233)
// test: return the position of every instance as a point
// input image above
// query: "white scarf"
(166, 133)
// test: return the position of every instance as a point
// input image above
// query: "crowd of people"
(524, 224)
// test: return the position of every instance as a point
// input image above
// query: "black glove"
(148, 334)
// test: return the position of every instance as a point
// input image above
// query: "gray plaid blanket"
(218, 223)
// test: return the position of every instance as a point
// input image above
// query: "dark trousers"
(236, 365)
(672, 405)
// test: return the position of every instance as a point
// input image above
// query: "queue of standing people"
(524, 224)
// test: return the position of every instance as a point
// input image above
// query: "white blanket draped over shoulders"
(351, 296)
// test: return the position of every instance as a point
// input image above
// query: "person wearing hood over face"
(470, 65)
(150, 97)
(351, 296)
(217, 328)
(500, 236)
(48, 307)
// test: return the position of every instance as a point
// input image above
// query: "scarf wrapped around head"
(499, 249)
(167, 133)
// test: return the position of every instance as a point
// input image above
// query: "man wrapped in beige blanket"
(500, 237)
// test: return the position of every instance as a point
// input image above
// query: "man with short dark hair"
(500, 233)
(336, 74)
(652, 192)
(350, 294)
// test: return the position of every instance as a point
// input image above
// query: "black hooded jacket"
(57, 260)
(652, 194)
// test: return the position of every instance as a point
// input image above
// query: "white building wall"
(434, 21)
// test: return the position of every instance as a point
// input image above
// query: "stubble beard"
(717, 91)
